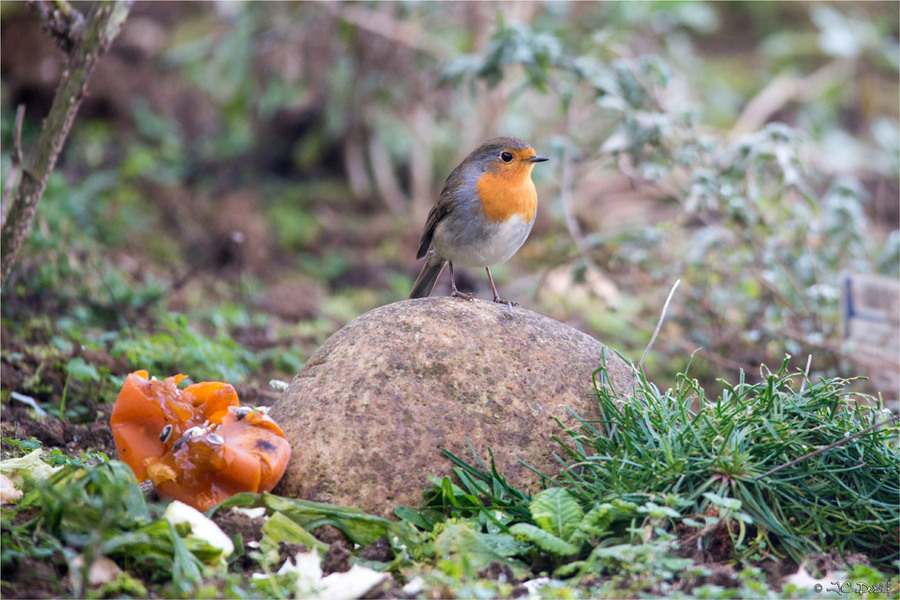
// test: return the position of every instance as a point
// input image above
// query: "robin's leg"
(494, 289)
(455, 292)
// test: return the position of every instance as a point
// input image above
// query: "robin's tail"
(426, 279)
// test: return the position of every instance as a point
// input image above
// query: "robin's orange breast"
(505, 195)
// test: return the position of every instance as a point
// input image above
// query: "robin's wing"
(444, 206)
(438, 212)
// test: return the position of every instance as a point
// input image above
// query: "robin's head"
(506, 158)
(501, 171)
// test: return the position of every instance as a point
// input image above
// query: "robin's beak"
(536, 158)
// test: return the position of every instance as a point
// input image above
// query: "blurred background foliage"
(246, 177)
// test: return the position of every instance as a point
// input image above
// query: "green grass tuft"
(783, 467)
(650, 444)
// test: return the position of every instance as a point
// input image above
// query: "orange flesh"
(249, 455)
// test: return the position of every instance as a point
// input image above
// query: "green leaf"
(599, 517)
(185, 566)
(655, 510)
(478, 550)
(544, 539)
(743, 517)
(567, 570)
(594, 524)
(676, 564)
(722, 502)
(279, 528)
(81, 370)
(413, 516)
(556, 511)
(77, 498)
(361, 527)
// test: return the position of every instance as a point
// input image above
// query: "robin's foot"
(455, 293)
(509, 303)
(497, 298)
(463, 295)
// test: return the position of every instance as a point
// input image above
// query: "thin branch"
(67, 11)
(870, 429)
(63, 22)
(102, 26)
(659, 323)
(17, 133)
(15, 160)
(785, 89)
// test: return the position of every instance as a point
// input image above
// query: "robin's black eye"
(506, 156)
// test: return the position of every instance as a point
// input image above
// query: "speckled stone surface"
(369, 413)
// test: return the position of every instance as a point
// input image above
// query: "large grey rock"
(370, 411)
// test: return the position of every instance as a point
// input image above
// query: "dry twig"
(659, 323)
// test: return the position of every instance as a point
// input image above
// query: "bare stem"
(64, 23)
(662, 317)
(15, 160)
(102, 25)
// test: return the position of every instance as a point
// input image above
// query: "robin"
(483, 216)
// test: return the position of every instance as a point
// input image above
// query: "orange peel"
(196, 445)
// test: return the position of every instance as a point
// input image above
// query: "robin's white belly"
(482, 245)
